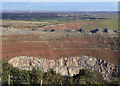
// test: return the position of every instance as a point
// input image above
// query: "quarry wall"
(66, 66)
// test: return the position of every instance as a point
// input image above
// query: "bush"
(87, 77)
(116, 82)
(51, 77)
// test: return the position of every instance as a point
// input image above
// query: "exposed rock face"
(66, 66)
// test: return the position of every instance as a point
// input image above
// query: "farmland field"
(86, 24)
(106, 23)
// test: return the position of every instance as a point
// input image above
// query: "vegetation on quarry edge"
(12, 75)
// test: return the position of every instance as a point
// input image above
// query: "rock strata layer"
(67, 66)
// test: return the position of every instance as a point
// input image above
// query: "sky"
(60, 0)
(59, 6)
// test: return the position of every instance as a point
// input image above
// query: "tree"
(51, 77)
(36, 76)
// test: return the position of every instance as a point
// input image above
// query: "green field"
(98, 23)
(36, 24)
(104, 23)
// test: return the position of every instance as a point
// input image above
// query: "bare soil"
(54, 49)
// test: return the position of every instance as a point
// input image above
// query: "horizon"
(60, 6)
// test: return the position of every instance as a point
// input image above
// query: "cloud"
(60, 0)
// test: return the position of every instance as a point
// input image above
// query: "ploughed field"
(75, 25)
(53, 45)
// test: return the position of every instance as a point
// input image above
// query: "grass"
(104, 23)
(24, 24)
(36, 24)
(30, 22)
(15, 21)
(111, 23)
